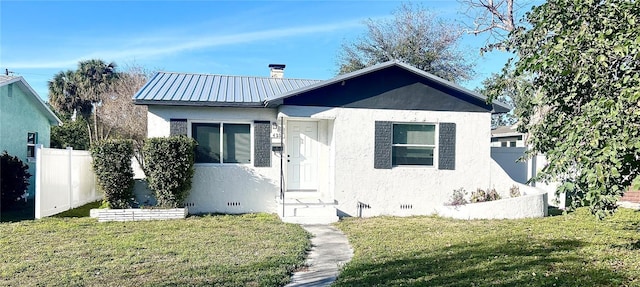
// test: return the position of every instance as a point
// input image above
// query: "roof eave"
(199, 104)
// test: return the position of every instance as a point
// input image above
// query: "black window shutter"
(177, 127)
(447, 146)
(262, 144)
(383, 141)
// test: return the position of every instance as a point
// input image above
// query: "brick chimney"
(277, 70)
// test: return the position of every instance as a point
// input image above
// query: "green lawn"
(246, 250)
(568, 250)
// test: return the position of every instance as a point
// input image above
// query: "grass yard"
(245, 250)
(568, 250)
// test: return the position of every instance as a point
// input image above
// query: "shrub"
(112, 165)
(71, 134)
(481, 196)
(492, 194)
(169, 168)
(14, 180)
(514, 191)
(458, 197)
(478, 196)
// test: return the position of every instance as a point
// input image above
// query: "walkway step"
(310, 219)
(330, 251)
(308, 212)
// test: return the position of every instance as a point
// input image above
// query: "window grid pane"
(413, 144)
(403, 155)
(414, 134)
(208, 137)
(236, 143)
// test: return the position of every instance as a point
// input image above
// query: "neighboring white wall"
(224, 188)
(508, 159)
(385, 190)
(64, 180)
(522, 171)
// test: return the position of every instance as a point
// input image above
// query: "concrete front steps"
(307, 211)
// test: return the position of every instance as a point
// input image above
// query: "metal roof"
(214, 90)
(276, 100)
(505, 131)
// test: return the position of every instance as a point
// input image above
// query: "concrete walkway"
(329, 252)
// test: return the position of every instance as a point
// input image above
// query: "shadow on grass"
(82, 211)
(517, 263)
(554, 211)
(20, 212)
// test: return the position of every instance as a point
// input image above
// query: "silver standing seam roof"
(214, 90)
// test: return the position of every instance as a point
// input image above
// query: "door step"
(308, 211)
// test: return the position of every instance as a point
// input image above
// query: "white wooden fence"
(64, 180)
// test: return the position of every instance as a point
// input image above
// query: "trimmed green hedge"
(112, 166)
(169, 168)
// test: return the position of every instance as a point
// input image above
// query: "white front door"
(302, 156)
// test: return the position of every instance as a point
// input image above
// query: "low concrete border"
(138, 214)
(532, 204)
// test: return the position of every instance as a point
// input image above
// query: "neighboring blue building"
(25, 121)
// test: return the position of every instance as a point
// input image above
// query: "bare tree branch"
(496, 17)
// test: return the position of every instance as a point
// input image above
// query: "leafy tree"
(72, 133)
(80, 92)
(513, 90)
(414, 36)
(585, 113)
(100, 97)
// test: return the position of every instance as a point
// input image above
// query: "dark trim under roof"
(274, 101)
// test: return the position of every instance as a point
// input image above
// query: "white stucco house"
(385, 140)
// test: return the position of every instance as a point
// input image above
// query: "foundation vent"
(189, 204)
(406, 206)
(233, 203)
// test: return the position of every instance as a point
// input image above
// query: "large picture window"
(413, 144)
(222, 142)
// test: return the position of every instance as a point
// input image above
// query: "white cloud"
(136, 49)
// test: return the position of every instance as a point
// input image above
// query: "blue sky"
(41, 38)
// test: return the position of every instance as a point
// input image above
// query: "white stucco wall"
(224, 188)
(346, 173)
(385, 190)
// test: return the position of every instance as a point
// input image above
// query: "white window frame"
(434, 145)
(32, 145)
(222, 123)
